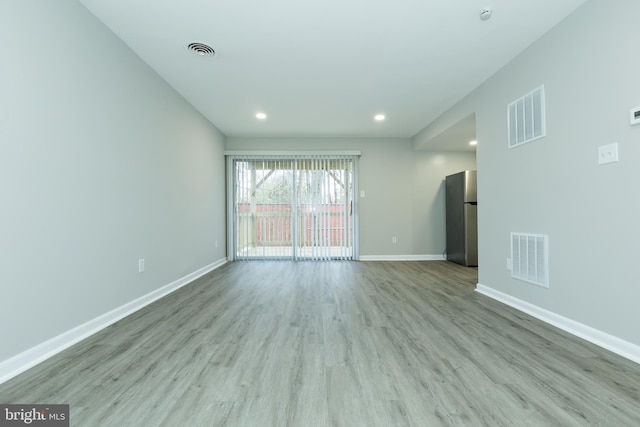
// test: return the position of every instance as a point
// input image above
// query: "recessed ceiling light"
(379, 117)
(473, 142)
(261, 116)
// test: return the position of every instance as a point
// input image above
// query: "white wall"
(404, 195)
(101, 163)
(590, 67)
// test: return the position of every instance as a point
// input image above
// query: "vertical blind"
(294, 207)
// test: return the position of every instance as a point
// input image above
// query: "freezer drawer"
(471, 234)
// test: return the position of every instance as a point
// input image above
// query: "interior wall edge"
(21, 362)
(601, 339)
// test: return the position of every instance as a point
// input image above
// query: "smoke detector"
(485, 14)
(201, 49)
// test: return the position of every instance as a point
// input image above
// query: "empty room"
(338, 213)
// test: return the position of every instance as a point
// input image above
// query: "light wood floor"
(334, 344)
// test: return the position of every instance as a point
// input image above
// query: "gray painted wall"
(404, 195)
(101, 163)
(589, 65)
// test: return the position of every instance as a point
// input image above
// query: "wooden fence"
(271, 225)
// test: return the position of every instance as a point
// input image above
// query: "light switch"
(362, 193)
(634, 116)
(608, 153)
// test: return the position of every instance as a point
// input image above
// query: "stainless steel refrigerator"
(462, 218)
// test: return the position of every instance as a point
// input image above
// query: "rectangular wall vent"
(530, 258)
(526, 118)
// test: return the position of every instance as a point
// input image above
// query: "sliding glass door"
(294, 207)
(263, 208)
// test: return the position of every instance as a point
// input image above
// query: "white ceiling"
(456, 138)
(325, 68)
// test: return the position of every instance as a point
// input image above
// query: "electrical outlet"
(509, 264)
(141, 265)
(607, 153)
(394, 240)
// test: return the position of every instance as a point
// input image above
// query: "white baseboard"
(616, 345)
(21, 362)
(402, 258)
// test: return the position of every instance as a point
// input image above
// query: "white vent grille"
(202, 49)
(529, 255)
(526, 118)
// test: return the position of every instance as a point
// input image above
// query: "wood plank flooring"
(334, 344)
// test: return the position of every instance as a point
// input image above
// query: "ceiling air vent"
(202, 50)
